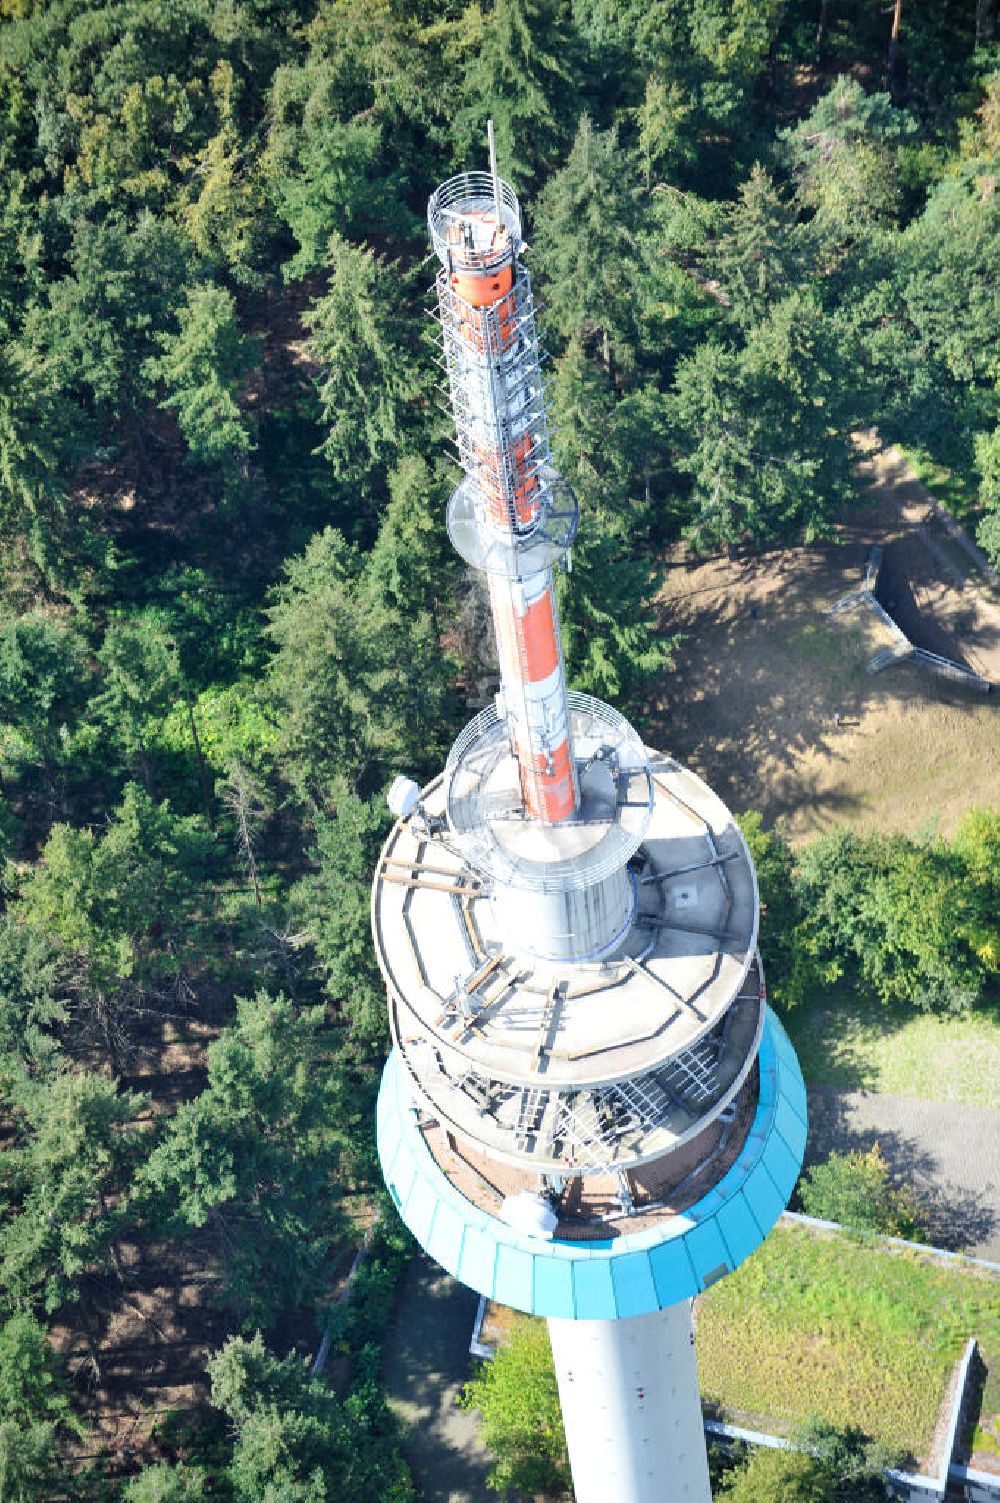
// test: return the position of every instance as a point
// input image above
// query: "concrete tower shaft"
(589, 1112)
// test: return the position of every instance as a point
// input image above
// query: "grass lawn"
(853, 1333)
(761, 671)
(842, 1039)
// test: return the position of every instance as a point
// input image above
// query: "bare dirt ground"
(762, 670)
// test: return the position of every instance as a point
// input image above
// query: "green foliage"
(976, 847)
(256, 1157)
(202, 369)
(44, 680)
(412, 566)
(780, 1477)
(142, 680)
(949, 302)
(75, 1149)
(32, 450)
(842, 157)
(166, 1484)
(367, 376)
(33, 1007)
(896, 911)
(612, 641)
(324, 166)
(295, 1440)
(786, 958)
(95, 330)
(32, 1386)
(333, 907)
(855, 1189)
(832, 1466)
(29, 1463)
(765, 429)
(763, 251)
(118, 909)
(520, 1420)
(519, 71)
(587, 247)
(345, 709)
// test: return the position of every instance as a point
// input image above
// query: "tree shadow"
(765, 684)
(954, 1218)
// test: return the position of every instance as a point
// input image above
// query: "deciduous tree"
(517, 1398)
(855, 1189)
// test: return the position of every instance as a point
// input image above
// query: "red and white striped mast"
(514, 511)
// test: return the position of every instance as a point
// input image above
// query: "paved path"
(426, 1362)
(949, 1154)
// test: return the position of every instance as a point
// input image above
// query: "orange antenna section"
(522, 516)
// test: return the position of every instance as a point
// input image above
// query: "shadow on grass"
(954, 1217)
(973, 1413)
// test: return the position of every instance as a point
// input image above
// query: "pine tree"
(201, 370)
(368, 378)
(520, 72)
(587, 249)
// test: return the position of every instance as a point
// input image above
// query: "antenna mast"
(493, 171)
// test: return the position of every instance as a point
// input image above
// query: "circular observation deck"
(461, 217)
(696, 1230)
(504, 551)
(469, 1000)
(503, 843)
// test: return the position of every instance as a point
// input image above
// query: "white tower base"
(631, 1408)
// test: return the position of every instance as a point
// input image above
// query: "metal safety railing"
(463, 197)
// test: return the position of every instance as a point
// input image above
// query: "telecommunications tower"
(589, 1112)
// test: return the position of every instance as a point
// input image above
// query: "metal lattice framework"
(483, 811)
(596, 1130)
(498, 403)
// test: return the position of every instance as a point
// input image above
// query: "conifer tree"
(587, 248)
(520, 72)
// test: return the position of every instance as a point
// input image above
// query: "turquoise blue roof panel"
(764, 1198)
(673, 1276)
(790, 1125)
(553, 1287)
(622, 1276)
(783, 1165)
(793, 1090)
(479, 1256)
(708, 1252)
(593, 1288)
(739, 1229)
(635, 1291)
(420, 1207)
(513, 1278)
(445, 1242)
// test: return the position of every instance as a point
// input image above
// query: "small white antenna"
(493, 172)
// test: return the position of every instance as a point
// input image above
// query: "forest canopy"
(229, 612)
